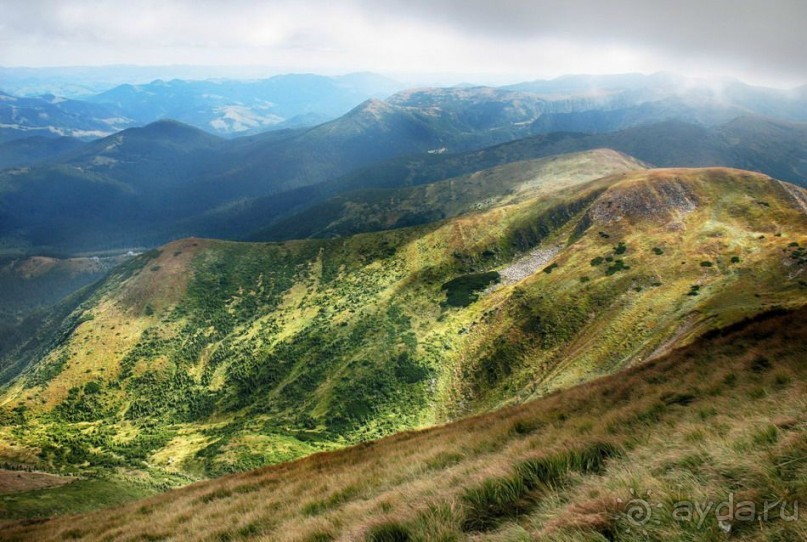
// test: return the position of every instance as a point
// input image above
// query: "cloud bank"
(758, 40)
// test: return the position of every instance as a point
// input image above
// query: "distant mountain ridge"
(224, 107)
(665, 144)
(51, 116)
(247, 107)
(148, 185)
(570, 103)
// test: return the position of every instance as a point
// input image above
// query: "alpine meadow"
(390, 272)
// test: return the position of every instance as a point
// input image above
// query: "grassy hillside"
(705, 443)
(207, 357)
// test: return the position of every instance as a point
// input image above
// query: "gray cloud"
(767, 35)
(754, 39)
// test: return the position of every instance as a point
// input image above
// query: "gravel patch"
(532, 262)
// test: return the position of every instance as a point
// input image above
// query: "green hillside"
(658, 452)
(206, 357)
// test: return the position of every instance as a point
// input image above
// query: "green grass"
(498, 499)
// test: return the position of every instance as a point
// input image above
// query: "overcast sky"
(760, 41)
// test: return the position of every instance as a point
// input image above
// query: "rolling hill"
(206, 357)
(134, 188)
(146, 186)
(664, 144)
(136, 185)
(107, 192)
(29, 150)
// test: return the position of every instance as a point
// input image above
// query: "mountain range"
(244, 107)
(134, 188)
(51, 116)
(221, 107)
(452, 313)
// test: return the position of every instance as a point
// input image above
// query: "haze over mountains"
(222, 107)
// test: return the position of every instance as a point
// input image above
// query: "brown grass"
(14, 481)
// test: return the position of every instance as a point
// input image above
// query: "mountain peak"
(668, 195)
(171, 129)
(373, 106)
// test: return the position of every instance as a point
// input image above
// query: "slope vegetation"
(705, 441)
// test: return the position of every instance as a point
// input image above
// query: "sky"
(759, 41)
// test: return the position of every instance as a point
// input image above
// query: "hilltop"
(206, 357)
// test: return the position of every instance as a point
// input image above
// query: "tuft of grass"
(496, 499)
(337, 498)
(767, 436)
(215, 495)
(391, 531)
